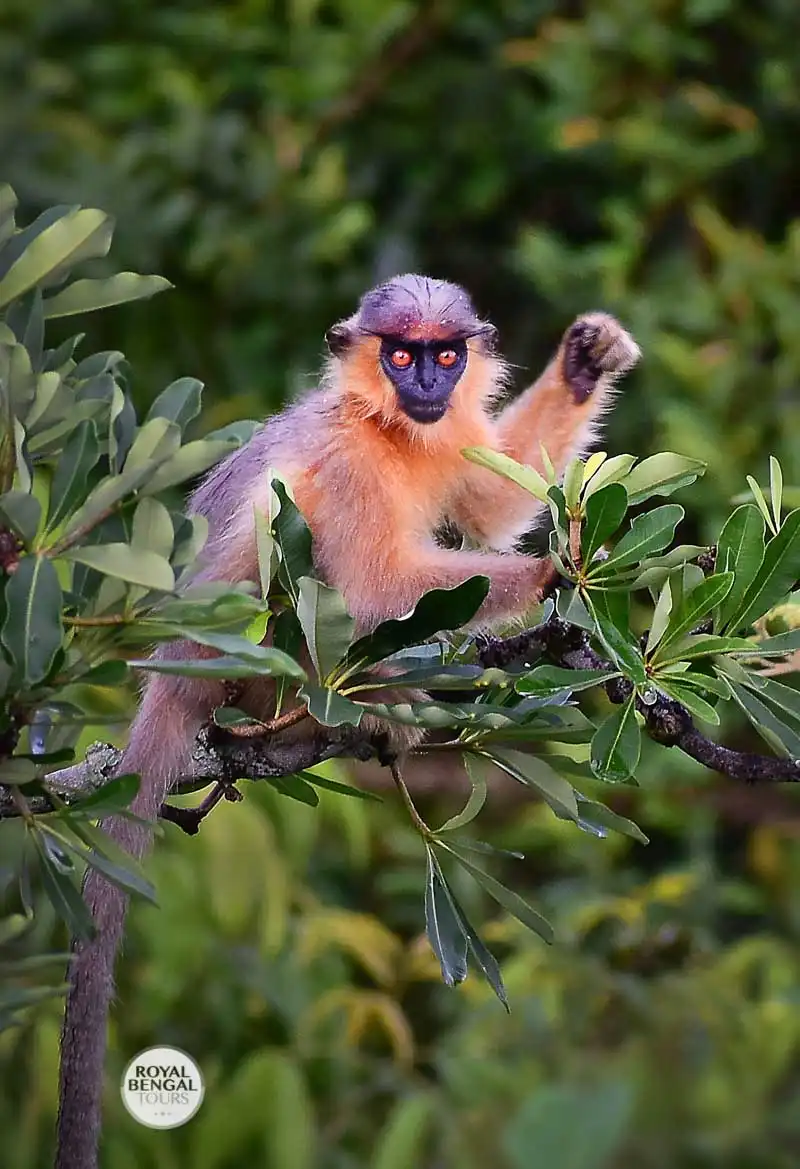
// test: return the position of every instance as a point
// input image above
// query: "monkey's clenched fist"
(596, 350)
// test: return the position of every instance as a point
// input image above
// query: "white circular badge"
(162, 1087)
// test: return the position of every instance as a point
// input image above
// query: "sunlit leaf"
(661, 474)
(61, 244)
(179, 402)
(135, 565)
(612, 471)
(84, 296)
(648, 533)
(523, 476)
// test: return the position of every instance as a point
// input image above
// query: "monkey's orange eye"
(401, 359)
(447, 358)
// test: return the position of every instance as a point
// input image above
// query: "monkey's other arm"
(561, 411)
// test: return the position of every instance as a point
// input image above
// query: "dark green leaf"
(648, 533)
(62, 892)
(545, 681)
(327, 625)
(688, 697)
(779, 572)
(694, 607)
(616, 745)
(329, 708)
(477, 771)
(740, 550)
(486, 961)
(611, 613)
(597, 819)
(510, 901)
(22, 512)
(774, 647)
(33, 632)
(342, 789)
(703, 645)
(605, 511)
(115, 795)
(294, 539)
(437, 610)
(179, 402)
(443, 927)
(782, 738)
(70, 480)
(99, 851)
(534, 772)
(295, 788)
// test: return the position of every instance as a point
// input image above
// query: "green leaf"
(545, 681)
(8, 203)
(597, 818)
(616, 745)
(443, 926)
(612, 471)
(62, 891)
(102, 853)
(774, 647)
(403, 1140)
(704, 645)
(124, 562)
(114, 796)
(60, 245)
(486, 961)
(523, 476)
(105, 496)
(85, 296)
(510, 901)
(152, 530)
(294, 540)
(782, 738)
(740, 550)
(695, 606)
(611, 614)
(688, 697)
(573, 481)
(70, 480)
(605, 511)
(267, 550)
(22, 511)
(532, 771)
(295, 788)
(192, 459)
(779, 572)
(785, 698)
(156, 441)
(179, 402)
(776, 488)
(660, 619)
(661, 474)
(342, 789)
(327, 625)
(648, 533)
(274, 664)
(329, 708)
(32, 631)
(437, 610)
(477, 772)
(758, 495)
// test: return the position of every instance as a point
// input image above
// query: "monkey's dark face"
(424, 374)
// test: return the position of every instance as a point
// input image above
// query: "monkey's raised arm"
(560, 411)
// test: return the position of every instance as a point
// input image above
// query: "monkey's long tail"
(157, 746)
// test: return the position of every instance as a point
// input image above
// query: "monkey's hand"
(596, 350)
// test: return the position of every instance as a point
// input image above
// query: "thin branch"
(666, 721)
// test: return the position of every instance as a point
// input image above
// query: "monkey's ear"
(339, 339)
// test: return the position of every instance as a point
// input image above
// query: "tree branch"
(666, 721)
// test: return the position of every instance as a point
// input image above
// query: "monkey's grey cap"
(419, 304)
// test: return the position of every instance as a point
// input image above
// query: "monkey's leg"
(561, 411)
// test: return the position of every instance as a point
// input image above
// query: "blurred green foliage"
(273, 160)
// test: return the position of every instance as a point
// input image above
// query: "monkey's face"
(424, 374)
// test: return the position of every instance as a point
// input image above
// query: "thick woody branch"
(215, 759)
(666, 721)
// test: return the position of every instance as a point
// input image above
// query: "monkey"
(373, 458)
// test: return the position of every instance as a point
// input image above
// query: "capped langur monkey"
(373, 457)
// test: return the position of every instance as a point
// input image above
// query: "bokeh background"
(274, 159)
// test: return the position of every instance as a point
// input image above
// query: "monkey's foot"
(596, 347)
